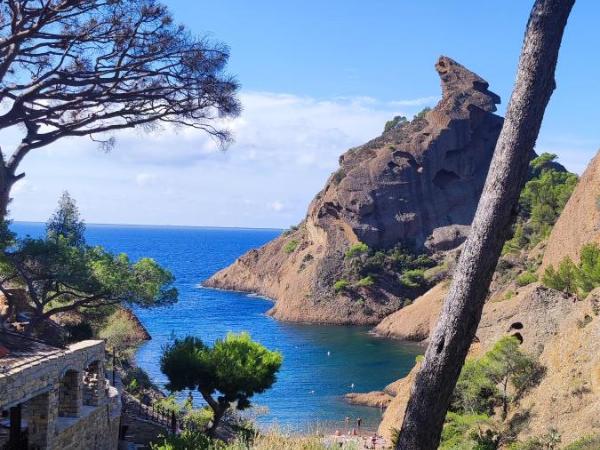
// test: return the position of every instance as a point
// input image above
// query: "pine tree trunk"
(462, 309)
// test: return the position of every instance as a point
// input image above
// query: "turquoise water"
(321, 363)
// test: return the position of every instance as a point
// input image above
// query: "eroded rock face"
(419, 176)
(418, 184)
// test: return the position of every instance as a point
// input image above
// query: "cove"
(321, 363)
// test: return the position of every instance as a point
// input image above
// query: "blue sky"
(317, 78)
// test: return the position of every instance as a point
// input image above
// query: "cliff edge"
(416, 186)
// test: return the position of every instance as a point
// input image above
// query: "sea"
(321, 363)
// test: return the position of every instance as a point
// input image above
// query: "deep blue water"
(311, 384)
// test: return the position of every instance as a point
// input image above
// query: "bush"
(483, 383)
(562, 279)
(290, 246)
(542, 199)
(585, 443)
(340, 285)
(421, 114)
(357, 249)
(366, 281)
(526, 278)
(464, 432)
(397, 120)
(414, 278)
(198, 419)
(188, 440)
(572, 279)
(136, 380)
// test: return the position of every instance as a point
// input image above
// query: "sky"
(318, 77)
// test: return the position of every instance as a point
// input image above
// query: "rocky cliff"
(561, 331)
(416, 185)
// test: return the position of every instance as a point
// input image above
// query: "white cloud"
(146, 179)
(276, 206)
(285, 148)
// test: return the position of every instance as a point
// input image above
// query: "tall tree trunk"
(450, 342)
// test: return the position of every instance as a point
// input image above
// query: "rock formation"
(579, 223)
(560, 330)
(417, 185)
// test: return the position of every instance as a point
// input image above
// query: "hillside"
(359, 254)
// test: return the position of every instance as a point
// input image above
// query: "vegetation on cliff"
(542, 200)
(571, 278)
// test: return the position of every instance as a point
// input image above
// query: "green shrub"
(526, 278)
(397, 120)
(420, 358)
(366, 281)
(340, 285)
(484, 382)
(357, 249)
(168, 404)
(542, 199)
(463, 431)
(563, 279)
(585, 443)
(572, 279)
(291, 246)
(413, 278)
(421, 114)
(136, 380)
(188, 440)
(199, 419)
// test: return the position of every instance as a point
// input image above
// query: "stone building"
(56, 398)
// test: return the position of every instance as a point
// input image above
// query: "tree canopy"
(231, 371)
(84, 68)
(60, 272)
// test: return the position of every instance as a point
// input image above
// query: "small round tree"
(231, 371)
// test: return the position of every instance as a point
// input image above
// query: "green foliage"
(367, 281)
(341, 285)
(357, 249)
(136, 380)
(541, 202)
(419, 358)
(168, 404)
(421, 114)
(71, 275)
(66, 222)
(483, 382)
(291, 246)
(188, 440)
(235, 368)
(464, 432)
(585, 443)
(526, 278)
(576, 279)
(564, 278)
(413, 278)
(397, 120)
(548, 441)
(198, 419)
(119, 334)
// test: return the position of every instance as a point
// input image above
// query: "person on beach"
(358, 422)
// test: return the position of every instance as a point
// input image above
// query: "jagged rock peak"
(459, 83)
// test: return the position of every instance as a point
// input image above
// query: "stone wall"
(97, 428)
(65, 398)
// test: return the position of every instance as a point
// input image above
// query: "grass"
(291, 246)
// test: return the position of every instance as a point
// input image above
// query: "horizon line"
(140, 225)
